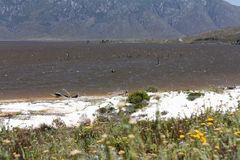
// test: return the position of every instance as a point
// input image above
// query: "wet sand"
(38, 69)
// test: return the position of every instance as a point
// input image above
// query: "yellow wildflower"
(210, 120)
(203, 140)
(198, 135)
(201, 134)
(210, 123)
(196, 131)
(237, 133)
(182, 136)
(180, 131)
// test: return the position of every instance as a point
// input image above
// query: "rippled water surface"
(38, 69)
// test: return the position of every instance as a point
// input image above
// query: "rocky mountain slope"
(112, 19)
(226, 35)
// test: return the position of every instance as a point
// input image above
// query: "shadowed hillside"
(228, 35)
(112, 19)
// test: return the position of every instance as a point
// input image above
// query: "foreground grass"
(209, 136)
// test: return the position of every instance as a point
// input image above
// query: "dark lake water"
(38, 69)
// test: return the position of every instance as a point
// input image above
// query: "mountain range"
(112, 19)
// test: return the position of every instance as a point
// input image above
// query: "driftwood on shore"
(231, 87)
(64, 93)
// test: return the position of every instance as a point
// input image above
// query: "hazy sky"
(236, 2)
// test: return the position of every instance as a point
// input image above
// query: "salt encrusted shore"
(83, 109)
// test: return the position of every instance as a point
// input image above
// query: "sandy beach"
(74, 112)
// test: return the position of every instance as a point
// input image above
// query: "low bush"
(138, 97)
(194, 95)
(138, 100)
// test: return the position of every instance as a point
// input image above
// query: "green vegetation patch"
(138, 97)
(194, 95)
(219, 90)
(138, 100)
(213, 135)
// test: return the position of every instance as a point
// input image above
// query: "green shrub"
(138, 100)
(194, 95)
(138, 97)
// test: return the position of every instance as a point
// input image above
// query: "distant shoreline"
(51, 97)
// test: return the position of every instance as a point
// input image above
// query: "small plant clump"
(106, 114)
(219, 90)
(138, 99)
(194, 95)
